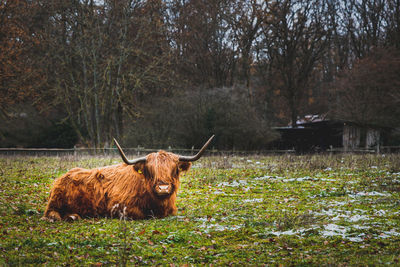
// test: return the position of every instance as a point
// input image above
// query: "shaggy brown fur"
(146, 189)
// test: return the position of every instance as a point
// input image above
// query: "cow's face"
(161, 171)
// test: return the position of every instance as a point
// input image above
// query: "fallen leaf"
(156, 232)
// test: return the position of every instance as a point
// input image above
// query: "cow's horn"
(199, 154)
(127, 161)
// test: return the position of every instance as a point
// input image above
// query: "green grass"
(289, 210)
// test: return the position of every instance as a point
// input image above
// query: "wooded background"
(171, 73)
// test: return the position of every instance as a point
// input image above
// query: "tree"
(364, 21)
(245, 21)
(201, 38)
(368, 93)
(104, 57)
(392, 21)
(20, 74)
(295, 38)
(185, 119)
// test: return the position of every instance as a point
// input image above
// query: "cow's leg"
(52, 216)
(173, 210)
(72, 217)
(168, 212)
(52, 211)
(132, 213)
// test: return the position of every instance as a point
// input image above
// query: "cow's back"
(79, 191)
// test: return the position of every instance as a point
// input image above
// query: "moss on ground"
(289, 210)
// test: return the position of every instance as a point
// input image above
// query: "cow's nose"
(163, 187)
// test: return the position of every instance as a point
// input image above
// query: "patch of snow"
(297, 179)
(356, 239)
(233, 184)
(253, 200)
(205, 219)
(340, 203)
(326, 179)
(380, 212)
(338, 230)
(372, 193)
(386, 234)
(266, 177)
(279, 233)
(334, 229)
(329, 230)
(361, 227)
(329, 212)
(219, 228)
(357, 218)
(338, 214)
(301, 179)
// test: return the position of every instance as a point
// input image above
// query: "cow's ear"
(139, 167)
(184, 166)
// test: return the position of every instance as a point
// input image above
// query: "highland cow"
(142, 188)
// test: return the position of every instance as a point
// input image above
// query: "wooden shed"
(316, 133)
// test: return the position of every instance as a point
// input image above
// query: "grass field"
(289, 210)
